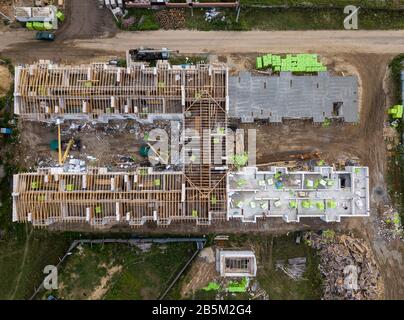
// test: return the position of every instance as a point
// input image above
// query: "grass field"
(120, 272)
(23, 258)
(277, 284)
(327, 3)
(277, 19)
(24, 252)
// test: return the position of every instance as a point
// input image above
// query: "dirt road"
(20, 43)
(255, 41)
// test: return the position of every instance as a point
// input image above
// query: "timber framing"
(98, 197)
(201, 191)
(46, 91)
(198, 94)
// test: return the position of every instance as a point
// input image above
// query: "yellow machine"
(63, 158)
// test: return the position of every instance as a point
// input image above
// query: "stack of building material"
(39, 18)
(291, 63)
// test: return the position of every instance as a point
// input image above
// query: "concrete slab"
(288, 96)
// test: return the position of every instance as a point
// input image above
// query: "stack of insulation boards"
(41, 26)
(290, 63)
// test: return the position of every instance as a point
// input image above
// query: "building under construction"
(101, 92)
(201, 190)
(322, 193)
(195, 94)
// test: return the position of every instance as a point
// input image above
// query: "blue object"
(45, 35)
(6, 130)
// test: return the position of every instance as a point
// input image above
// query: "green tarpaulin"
(60, 15)
(396, 112)
(306, 204)
(235, 287)
(212, 286)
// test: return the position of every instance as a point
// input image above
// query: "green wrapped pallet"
(264, 61)
(258, 63)
(47, 26)
(60, 15)
(291, 63)
(38, 26)
(269, 57)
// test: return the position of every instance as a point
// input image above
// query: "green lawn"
(139, 275)
(23, 258)
(337, 3)
(277, 284)
(277, 19)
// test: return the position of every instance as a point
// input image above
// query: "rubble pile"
(389, 224)
(6, 7)
(212, 14)
(348, 266)
(171, 19)
(89, 140)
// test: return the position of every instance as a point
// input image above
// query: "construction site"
(246, 138)
(199, 178)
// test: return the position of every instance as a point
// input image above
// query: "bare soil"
(98, 143)
(5, 80)
(203, 270)
(100, 291)
(84, 20)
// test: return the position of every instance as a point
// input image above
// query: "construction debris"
(389, 224)
(171, 19)
(294, 269)
(348, 266)
(212, 14)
